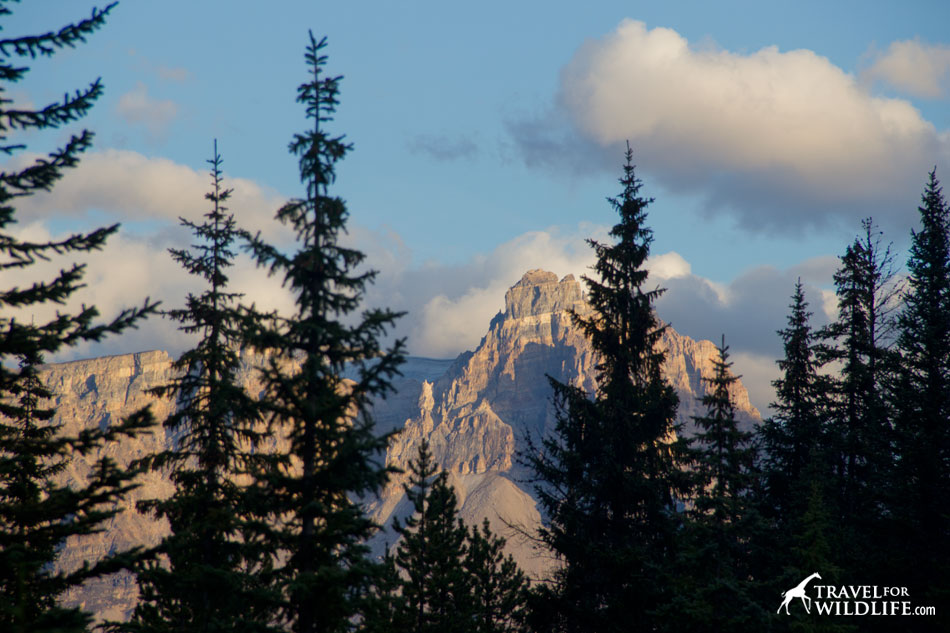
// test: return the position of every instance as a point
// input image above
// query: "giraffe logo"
(798, 591)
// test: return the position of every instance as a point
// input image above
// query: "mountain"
(475, 410)
(478, 413)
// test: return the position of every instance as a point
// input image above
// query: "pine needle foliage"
(716, 544)
(499, 589)
(858, 438)
(608, 478)
(723, 454)
(213, 573)
(38, 515)
(859, 340)
(449, 577)
(921, 484)
(436, 591)
(334, 454)
(793, 439)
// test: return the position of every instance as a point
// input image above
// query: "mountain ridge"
(475, 410)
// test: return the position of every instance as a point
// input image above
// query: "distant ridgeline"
(475, 411)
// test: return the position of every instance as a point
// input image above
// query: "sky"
(486, 138)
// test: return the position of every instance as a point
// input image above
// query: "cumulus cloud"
(451, 305)
(783, 140)
(125, 272)
(138, 108)
(748, 311)
(126, 185)
(914, 67)
(668, 266)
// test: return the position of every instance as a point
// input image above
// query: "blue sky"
(486, 137)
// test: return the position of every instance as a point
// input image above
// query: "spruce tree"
(436, 592)
(212, 572)
(608, 477)
(498, 587)
(811, 548)
(383, 609)
(920, 487)
(448, 577)
(723, 454)
(334, 455)
(796, 461)
(37, 514)
(792, 439)
(715, 583)
(859, 422)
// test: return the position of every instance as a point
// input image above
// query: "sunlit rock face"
(476, 412)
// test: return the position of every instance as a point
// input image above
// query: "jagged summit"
(539, 292)
(475, 411)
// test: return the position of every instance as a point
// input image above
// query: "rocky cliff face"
(99, 392)
(477, 415)
(476, 412)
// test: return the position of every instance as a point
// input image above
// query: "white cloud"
(128, 186)
(138, 108)
(914, 67)
(782, 139)
(750, 308)
(123, 274)
(668, 266)
(450, 307)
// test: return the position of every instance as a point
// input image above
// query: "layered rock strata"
(476, 412)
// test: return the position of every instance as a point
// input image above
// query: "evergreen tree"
(920, 494)
(792, 438)
(213, 571)
(859, 421)
(499, 587)
(436, 590)
(38, 515)
(383, 610)
(795, 458)
(608, 477)
(723, 454)
(811, 549)
(715, 579)
(334, 454)
(448, 578)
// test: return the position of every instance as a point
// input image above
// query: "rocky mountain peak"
(539, 292)
(474, 411)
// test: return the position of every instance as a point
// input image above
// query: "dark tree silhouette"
(213, 572)
(38, 515)
(436, 590)
(715, 550)
(443, 575)
(920, 495)
(334, 454)
(608, 478)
